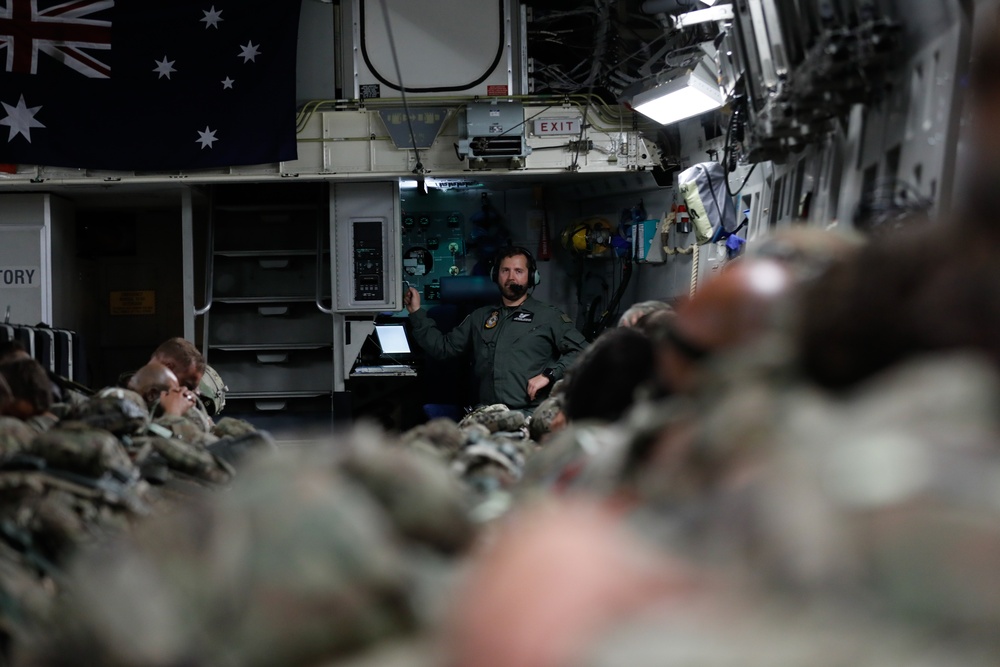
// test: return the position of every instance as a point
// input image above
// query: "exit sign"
(556, 126)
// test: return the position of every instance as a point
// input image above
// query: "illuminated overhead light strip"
(686, 96)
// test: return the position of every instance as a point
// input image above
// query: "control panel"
(365, 235)
(433, 247)
(369, 269)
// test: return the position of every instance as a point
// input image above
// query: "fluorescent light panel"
(683, 97)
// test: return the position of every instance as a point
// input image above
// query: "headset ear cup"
(533, 276)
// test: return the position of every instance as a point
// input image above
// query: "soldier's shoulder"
(540, 306)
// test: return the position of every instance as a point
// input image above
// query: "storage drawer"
(292, 403)
(236, 324)
(266, 230)
(273, 371)
(273, 277)
(290, 419)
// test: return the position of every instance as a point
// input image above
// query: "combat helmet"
(213, 391)
(120, 411)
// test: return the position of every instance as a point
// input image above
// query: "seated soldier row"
(694, 464)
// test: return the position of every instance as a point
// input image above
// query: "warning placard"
(138, 302)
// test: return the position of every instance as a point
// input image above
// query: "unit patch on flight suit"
(523, 317)
(492, 320)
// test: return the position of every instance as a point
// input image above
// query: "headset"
(534, 277)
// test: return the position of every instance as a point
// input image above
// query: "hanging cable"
(600, 47)
(419, 167)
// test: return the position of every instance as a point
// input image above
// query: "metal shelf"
(266, 299)
(250, 395)
(268, 253)
(271, 346)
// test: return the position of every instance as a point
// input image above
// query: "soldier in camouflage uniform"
(31, 393)
(71, 486)
(866, 505)
(487, 450)
(549, 417)
(306, 559)
(183, 359)
(637, 311)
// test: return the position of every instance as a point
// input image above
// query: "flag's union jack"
(68, 32)
(147, 85)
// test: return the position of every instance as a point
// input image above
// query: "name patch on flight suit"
(523, 317)
(492, 320)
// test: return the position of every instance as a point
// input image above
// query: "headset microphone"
(517, 289)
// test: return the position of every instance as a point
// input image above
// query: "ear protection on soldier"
(534, 277)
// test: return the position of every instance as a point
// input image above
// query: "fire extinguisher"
(683, 220)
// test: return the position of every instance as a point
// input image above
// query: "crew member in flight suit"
(519, 347)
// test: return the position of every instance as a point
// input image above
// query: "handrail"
(209, 252)
(319, 270)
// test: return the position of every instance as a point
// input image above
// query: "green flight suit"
(509, 347)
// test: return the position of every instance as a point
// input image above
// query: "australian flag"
(147, 85)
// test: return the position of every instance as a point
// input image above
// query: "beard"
(513, 291)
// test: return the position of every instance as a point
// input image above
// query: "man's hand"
(412, 300)
(176, 401)
(536, 384)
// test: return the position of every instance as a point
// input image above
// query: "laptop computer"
(393, 341)
(390, 354)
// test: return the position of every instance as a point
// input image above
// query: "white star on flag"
(206, 138)
(249, 52)
(227, 83)
(20, 119)
(164, 68)
(212, 18)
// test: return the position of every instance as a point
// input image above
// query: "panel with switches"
(433, 247)
(369, 270)
(365, 235)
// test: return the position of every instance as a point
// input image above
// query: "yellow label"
(133, 303)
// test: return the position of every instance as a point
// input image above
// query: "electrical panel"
(433, 247)
(369, 267)
(366, 242)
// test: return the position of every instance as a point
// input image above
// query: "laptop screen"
(392, 338)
